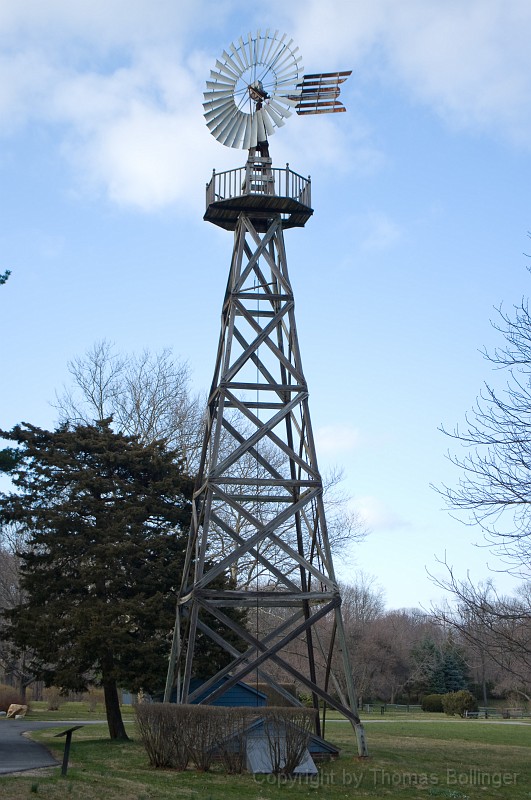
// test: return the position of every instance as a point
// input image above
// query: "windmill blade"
(247, 133)
(290, 100)
(220, 85)
(254, 48)
(212, 116)
(223, 132)
(238, 59)
(226, 70)
(217, 106)
(265, 41)
(224, 124)
(243, 54)
(281, 54)
(213, 96)
(238, 136)
(217, 116)
(291, 73)
(220, 113)
(260, 127)
(273, 114)
(267, 121)
(274, 54)
(274, 104)
(231, 63)
(253, 141)
(273, 39)
(220, 124)
(285, 63)
(231, 133)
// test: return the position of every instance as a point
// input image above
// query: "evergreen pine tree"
(105, 521)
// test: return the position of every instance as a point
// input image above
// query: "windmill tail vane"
(319, 92)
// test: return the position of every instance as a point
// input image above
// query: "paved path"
(18, 753)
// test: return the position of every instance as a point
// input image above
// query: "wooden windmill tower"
(259, 493)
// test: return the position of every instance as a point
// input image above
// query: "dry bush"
(9, 695)
(174, 735)
(94, 697)
(287, 731)
(232, 746)
(181, 726)
(53, 697)
(205, 731)
(162, 728)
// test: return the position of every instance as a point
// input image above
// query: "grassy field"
(428, 756)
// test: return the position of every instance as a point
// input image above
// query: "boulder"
(16, 710)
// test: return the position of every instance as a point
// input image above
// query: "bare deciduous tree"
(495, 488)
(495, 491)
(497, 628)
(147, 395)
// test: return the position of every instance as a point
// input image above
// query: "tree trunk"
(112, 707)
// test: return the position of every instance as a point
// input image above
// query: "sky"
(421, 214)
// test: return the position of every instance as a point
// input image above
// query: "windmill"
(259, 492)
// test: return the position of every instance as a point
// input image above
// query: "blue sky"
(421, 198)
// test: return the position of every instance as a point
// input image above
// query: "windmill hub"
(257, 92)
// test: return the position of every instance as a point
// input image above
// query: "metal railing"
(258, 178)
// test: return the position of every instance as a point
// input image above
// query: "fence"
(258, 178)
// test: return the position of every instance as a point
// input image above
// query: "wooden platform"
(261, 209)
(260, 191)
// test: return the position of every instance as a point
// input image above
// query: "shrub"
(162, 728)
(204, 732)
(432, 702)
(287, 732)
(174, 735)
(9, 695)
(93, 697)
(232, 745)
(459, 702)
(53, 697)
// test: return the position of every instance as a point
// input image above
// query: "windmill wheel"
(251, 91)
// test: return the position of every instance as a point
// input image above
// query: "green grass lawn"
(429, 756)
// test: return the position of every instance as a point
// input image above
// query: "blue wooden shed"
(241, 694)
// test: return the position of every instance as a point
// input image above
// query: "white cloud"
(136, 132)
(118, 84)
(121, 81)
(102, 24)
(335, 439)
(470, 61)
(376, 515)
